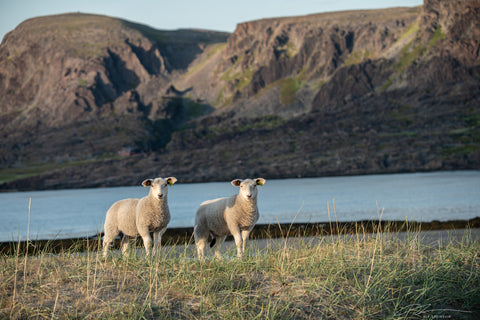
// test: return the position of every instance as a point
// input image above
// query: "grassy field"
(351, 276)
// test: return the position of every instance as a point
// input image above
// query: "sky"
(218, 15)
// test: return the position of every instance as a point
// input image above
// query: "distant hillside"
(82, 87)
(92, 101)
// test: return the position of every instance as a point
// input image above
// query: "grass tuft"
(288, 90)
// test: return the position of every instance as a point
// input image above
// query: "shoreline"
(181, 236)
(19, 186)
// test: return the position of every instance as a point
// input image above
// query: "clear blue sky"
(174, 14)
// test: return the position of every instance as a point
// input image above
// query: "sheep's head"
(159, 186)
(248, 187)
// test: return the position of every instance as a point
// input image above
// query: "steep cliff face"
(274, 59)
(312, 48)
(293, 65)
(356, 92)
(290, 66)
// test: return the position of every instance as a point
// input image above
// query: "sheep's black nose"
(249, 196)
(160, 195)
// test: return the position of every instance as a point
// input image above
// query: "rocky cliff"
(358, 92)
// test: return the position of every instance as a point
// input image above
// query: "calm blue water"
(420, 197)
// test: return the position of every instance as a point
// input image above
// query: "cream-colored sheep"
(139, 217)
(235, 215)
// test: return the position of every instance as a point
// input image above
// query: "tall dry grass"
(349, 276)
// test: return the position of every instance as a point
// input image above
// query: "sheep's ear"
(260, 181)
(147, 183)
(236, 182)
(171, 180)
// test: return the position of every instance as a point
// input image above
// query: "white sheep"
(235, 215)
(139, 217)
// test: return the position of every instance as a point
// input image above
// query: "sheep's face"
(248, 187)
(159, 186)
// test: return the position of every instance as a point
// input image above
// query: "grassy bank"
(361, 275)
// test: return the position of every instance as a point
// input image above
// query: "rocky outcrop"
(78, 79)
(358, 92)
(344, 93)
(460, 24)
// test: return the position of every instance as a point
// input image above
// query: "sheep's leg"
(238, 242)
(201, 238)
(218, 245)
(200, 243)
(147, 242)
(124, 244)
(108, 238)
(147, 239)
(157, 241)
(245, 234)
(106, 245)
